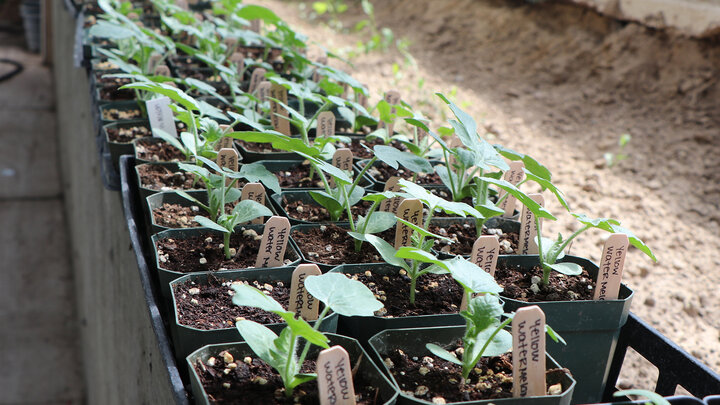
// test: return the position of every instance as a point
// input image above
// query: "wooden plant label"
(162, 70)
(392, 97)
(528, 230)
(611, 267)
(528, 358)
(280, 123)
(325, 124)
(409, 210)
(183, 4)
(255, 25)
(225, 142)
(334, 379)
(343, 160)
(154, 60)
(255, 192)
(316, 75)
(257, 76)
(273, 243)
(513, 176)
(238, 58)
(228, 157)
(484, 254)
(161, 116)
(391, 204)
(301, 302)
(231, 43)
(263, 92)
(362, 100)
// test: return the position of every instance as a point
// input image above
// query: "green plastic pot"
(370, 372)
(188, 339)
(302, 196)
(363, 328)
(504, 224)
(158, 199)
(166, 276)
(412, 341)
(118, 149)
(590, 328)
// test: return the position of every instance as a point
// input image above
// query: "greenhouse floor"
(39, 334)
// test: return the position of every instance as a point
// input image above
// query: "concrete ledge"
(695, 18)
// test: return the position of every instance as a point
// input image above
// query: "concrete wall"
(696, 18)
(122, 363)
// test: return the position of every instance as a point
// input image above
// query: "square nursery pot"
(412, 342)
(302, 196)
(279, 166)
(504, 225)
(121, 111)
(170, 197)
(171, 169)
(367, 369)
(363, 328)
(250, 156)
(188, 339)
(155, 141)
(590, 328)
(118, 149)
(380, 185)
(165, 276)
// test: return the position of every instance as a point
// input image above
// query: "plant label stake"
(263, 91)
(484, 254)
(611, 267)
(325, 124)
(301, 302)
(528, 229)
(316, 75)
(528, 356)
(155, 58)
(183, 4)
(238, 58)
(256, 77)
(409, 210)
(228, 157)
(392, 97)
(335, 377)
(362, 100)
(255, 25)
(273, 243)
(224, 142)
(343, 160)
(255, 192)
(279, 115)
(161, 70)
(391, 204)
(161, 116)
(512, 176)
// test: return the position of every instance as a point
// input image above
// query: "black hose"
(18, 68)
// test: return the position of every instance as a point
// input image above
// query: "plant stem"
(226, 247)
(362, 173)
(562, 247)
(306, 348)
(290, 358)
(346, 203)
(545, 268)
(466, 373)
(413, 283)
(450, 176)
(373, 208)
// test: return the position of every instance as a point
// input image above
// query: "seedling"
(244, 211)
(221, 192)
(485, 334)
(337, 292)
(612, 158)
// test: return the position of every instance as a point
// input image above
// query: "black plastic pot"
(121, 106)
(158, 199)
(118, 149)
(188, 339)
(145, 192)
(151, 140)
(305, 256)
(165, 276)
(367, 369)
(362, 328)
(590, 328)
(412, 341)
(712, 399)
(504, 224)
(380, 185)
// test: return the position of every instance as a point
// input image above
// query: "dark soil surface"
(209, 306)
(204, 253)
(465, 236)
(252, 381)
(109, 88)
(330, 244)
(359, 152)
(259, 147)
(312, 212)
(382, 172)
(160, 178)
(181, 216)
(114, 114)
(298, 177)
(435, 293)
(490, 379)
(518, 284)
(158, 151)
(128, 134)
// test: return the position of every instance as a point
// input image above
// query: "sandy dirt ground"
(562, 83)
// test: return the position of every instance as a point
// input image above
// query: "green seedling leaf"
(246, 296)
(337, 173)
(413, 253)
(435, 202)
(500, 343)
(554, 335)
(256, 172)
(260, 339)
(328, 201)
(634, 240)
(654, 398)
(569, 269)
(380, 221)
(173, 93)
(300, 327)
(247, 210)
(394, 157)
(252, 12)
(278, 141)
(442, 353)
(547, 185)
(531, 165)
(472, 277)
(423, 232)
(343, 295)
(386, 250)
(110, 30)
(208, 223)
(534, 207)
